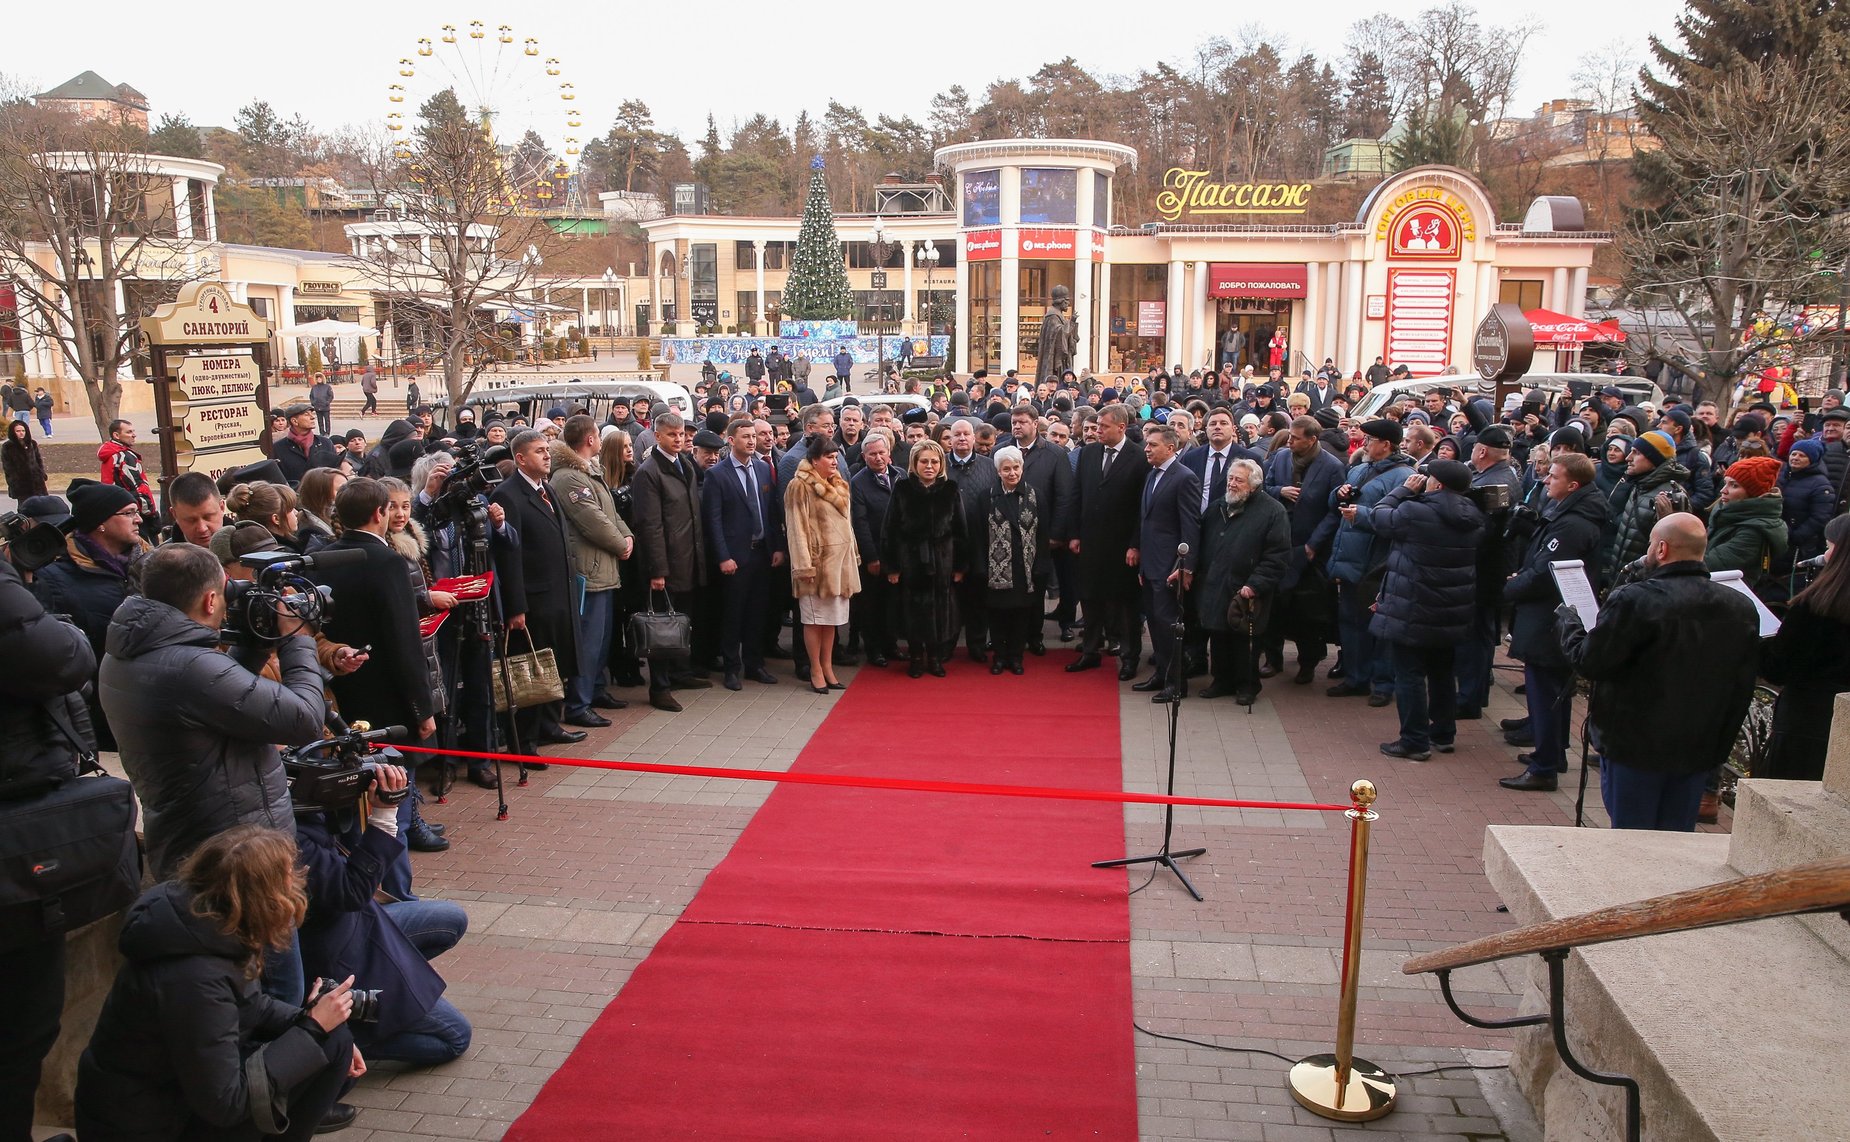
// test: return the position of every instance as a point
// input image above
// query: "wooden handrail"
(1820, 887)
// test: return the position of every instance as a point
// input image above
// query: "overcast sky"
(334, 63)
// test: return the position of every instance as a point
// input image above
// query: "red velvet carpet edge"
(870, 964)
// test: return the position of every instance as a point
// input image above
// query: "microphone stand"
(1177, 682)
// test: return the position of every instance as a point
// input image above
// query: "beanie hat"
(1757, 474)
(1749, 423)
(241, 537)
(1495, 436)
(1677, 417)
(1812, 447)
(1326, 416)
(1108, 395)
(1656, 445)
(1451, 474)
(1383, 429)
(91, 504)
(1571, 436)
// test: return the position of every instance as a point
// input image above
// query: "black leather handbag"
(661, 634)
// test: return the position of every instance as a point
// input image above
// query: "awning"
(1256, 279)
(328, 328)
(1553, 328)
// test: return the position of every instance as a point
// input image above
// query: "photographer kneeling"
(187, 1048)
(385, 947)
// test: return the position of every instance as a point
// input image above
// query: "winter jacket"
(670, 539)
(321, 396)
(1700, 477)
(824, 560)
(121, 465)
(1571, 529)
(42, 663)
(1429, 596)
(1496, 556)
(78, 586)
(1313, 521)
(1242, 545)
(1672, 663)
(1357, 553)
(1808, 504)
(1809, 660)
(295, 461)
(924, 537)
(24, 465)
(1747, 536)
(197, 727)
(414, 548)
(595, 535)
(181, 1029)
(1634, 512)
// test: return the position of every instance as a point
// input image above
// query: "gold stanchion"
(1339, 1085)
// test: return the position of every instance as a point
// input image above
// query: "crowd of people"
(1220, 527)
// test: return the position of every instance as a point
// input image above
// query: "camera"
(330, 775)
(365, 1003)
(33, 544)
(1491, 498)
(475, 475)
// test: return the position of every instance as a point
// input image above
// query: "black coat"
(924, 537)
(24, 465)
(974, 480)
(1809, 659)
(1429, 596)
(1572, 529)
(42, 661)
(867, 509)
(669, 539)
(181, 1023)
(536, 578)
(1047, 469)
(1244, 546)
(374, 605)
(1107, 509)
(296, 463)
(1672, 663)
(1313, 520)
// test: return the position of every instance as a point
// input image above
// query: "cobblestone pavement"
(571, 892)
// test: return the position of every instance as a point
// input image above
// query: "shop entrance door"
(1257, 319)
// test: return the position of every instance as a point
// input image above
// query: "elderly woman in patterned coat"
(1009, 530)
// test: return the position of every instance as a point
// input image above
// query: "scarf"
(108, 560)
(1005, 538)
(305, 440)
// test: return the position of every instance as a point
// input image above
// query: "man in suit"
(1171, 513)
(745, 540)
(1322, 388)
(536, 580)
(1109, 479)
(1045, 469)
(374, 607)
(974, 474)
(666, 491)
(1302, 475)
(870, 492)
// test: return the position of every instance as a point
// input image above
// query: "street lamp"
(880, 249)
(929, 257)
(610, 277)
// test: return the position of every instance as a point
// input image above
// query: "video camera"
(331, 774)
(251, 605)
(34, 544)
(475, 474)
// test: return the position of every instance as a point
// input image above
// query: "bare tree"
(460, 247)
(90, 242)
(1755, 220)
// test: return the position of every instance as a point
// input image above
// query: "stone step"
(1778, 824)
(1725, 1029)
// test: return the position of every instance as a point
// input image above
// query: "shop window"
(861, 256)
(1522, 292)
(1049, 196)
(744, 256)
(982, 198)
(1101, 200)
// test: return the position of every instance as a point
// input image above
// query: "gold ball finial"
(360, 726)
(1363, 792)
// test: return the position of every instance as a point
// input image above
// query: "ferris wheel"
(511, 88)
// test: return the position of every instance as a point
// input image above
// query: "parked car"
(1637, 389)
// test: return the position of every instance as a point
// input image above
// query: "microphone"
(341, 557)
(1815, 563)
(1181, 555)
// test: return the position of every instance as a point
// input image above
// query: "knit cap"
(1656, 445)
(1757, 474)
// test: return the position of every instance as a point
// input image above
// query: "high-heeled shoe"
(838, 685)
(815, 689)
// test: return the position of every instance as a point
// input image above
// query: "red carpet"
(869, 964)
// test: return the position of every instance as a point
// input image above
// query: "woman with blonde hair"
(272, 505)
(187, 1045)
(824, 561)
(922, 551)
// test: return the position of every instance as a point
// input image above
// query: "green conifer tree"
(818, 286)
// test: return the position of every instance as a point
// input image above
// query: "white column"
(1316, 301)
(1172, 316)
(960, 281)
(285, 318)
(182, 210)
(655, 289)
(1487, 294)
(1199, 322)
(760, 324)
(1557, 294)
(1100, 359)
(906, 306)
(1082, 299)
(1352, 302)
(584, 310)
(1333, 300)
(1577, 292)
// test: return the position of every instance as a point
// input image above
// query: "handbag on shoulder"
(523, 680)
(663, 633)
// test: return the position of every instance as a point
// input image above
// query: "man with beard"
(1245, 549)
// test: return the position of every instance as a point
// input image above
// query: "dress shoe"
(1166, 694)
(699, 672)
(419, 839)
(1343, 691)
(762, 675)
(1127, 670)
(1307, 673)
(1521, 739)
(732, 681)
(1083, 662)
(603, 701)
(815, 689)
(1153, 683)
(1508, 724)
(916, 669)
(1445, 747)
(1521, 689)
(339, 1117)
(690, 682)
(539, 766)
(631, 682)
(1246, 696)
(1336, 671)
(559, 737)
(840, 657)
(1067, 634)
(664, 700)
(1403, 750)
(1016, 667)
(977, 655)
(998, 666)
(485, 778)
(587, 719)
(876, 659)
(1531, 782)
(1217, 691)
(935, 668)
(1709, 811)
(1038, 648)
(1193, 667)
(1380, 700)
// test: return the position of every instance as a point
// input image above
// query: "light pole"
(881, 249)
(391, 325)
(610, 277)
(929, 257)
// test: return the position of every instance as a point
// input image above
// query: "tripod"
(1175, 684)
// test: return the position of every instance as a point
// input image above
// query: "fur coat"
(824, 560)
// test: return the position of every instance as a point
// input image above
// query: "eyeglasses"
(129, 513)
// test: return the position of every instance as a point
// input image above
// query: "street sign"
(221, 460)
(233, 376)
(1504, 344)
(221, 424)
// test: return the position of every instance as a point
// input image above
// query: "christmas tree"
(818, 286)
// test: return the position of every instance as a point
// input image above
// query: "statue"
(1059, 336)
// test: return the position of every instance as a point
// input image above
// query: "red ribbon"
(965, 787)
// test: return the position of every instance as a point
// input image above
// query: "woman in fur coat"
(922, 548)
(824, 561)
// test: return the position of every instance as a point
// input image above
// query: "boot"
(917, 667)
(934, 665)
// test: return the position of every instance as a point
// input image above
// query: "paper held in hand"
(1576, 591)
(1735, 581)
